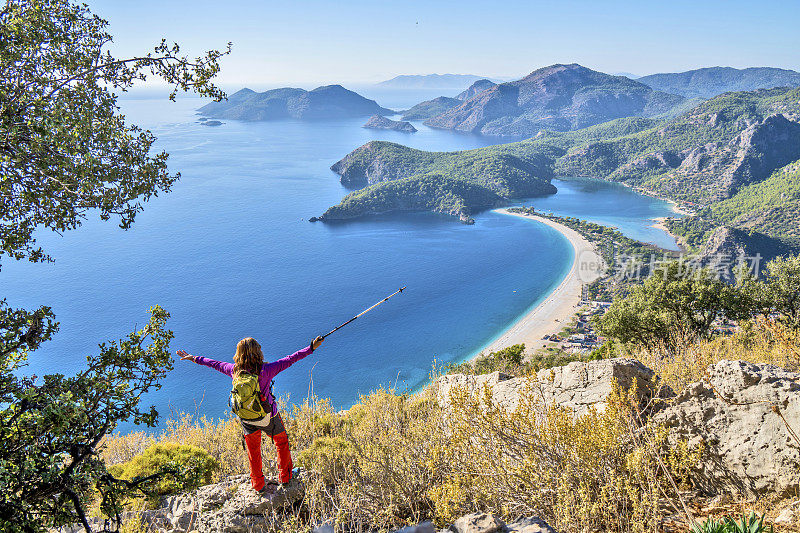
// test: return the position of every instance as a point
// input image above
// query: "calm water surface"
(229, 253)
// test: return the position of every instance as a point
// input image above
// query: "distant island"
(713, 81)
(327, 102)
(430, 81)
(378, 122)
(627, 75)
(556, 98)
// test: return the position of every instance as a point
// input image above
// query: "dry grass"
(763, 341)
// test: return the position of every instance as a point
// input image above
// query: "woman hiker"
(248, 364)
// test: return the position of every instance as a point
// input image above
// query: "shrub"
(221, 439)
(374, 467)
(329, 457)
(549, 358)
(117, 448)
(673, 309)
(508, 360)
(186, 467)
(603, 471)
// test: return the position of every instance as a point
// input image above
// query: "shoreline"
(550, 315)
(660, 223)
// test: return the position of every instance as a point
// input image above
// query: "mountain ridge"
(708, 82)
(559, 98)
(430, 81)
(430, 108)
(475, 89)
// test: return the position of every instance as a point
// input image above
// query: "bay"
(230, 253)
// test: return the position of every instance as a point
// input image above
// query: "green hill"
(397, 178)
(704, 155)
(772, 206)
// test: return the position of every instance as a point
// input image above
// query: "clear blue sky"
(345, 41)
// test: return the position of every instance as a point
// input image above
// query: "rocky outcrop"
(790, 516)
(378, 122)
(724, 252)
(472, 523)
(747, 418)
(727, 249)
(475, 89)
(230, 506)
(760, 149)
(489, 523)
(658, 161)
(577, 386)
(529, 525)
(751, 156)
(327, 102)
(698, 159)
(557, 98)
(580, 386)
(445, 385)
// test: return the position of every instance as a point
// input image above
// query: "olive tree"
(65, 148)
(673, 308)
(779, 291)
(66, 151)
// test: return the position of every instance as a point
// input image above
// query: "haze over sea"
(229, 253)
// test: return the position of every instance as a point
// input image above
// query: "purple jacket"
(268, 371)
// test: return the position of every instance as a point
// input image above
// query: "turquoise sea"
(229, 253)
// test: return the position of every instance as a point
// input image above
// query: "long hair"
(248, 358)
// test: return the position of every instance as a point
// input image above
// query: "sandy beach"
(660, 223)
(552, 314)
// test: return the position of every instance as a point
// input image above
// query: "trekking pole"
(364, 311)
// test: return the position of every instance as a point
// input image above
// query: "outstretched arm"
(282, 364)
(220, 366)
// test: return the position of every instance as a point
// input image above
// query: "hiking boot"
(295, 472)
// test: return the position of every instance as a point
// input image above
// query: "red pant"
(253, 441)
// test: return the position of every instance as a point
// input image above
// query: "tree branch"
(144, 59)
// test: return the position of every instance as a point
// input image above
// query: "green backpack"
(245, 400)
